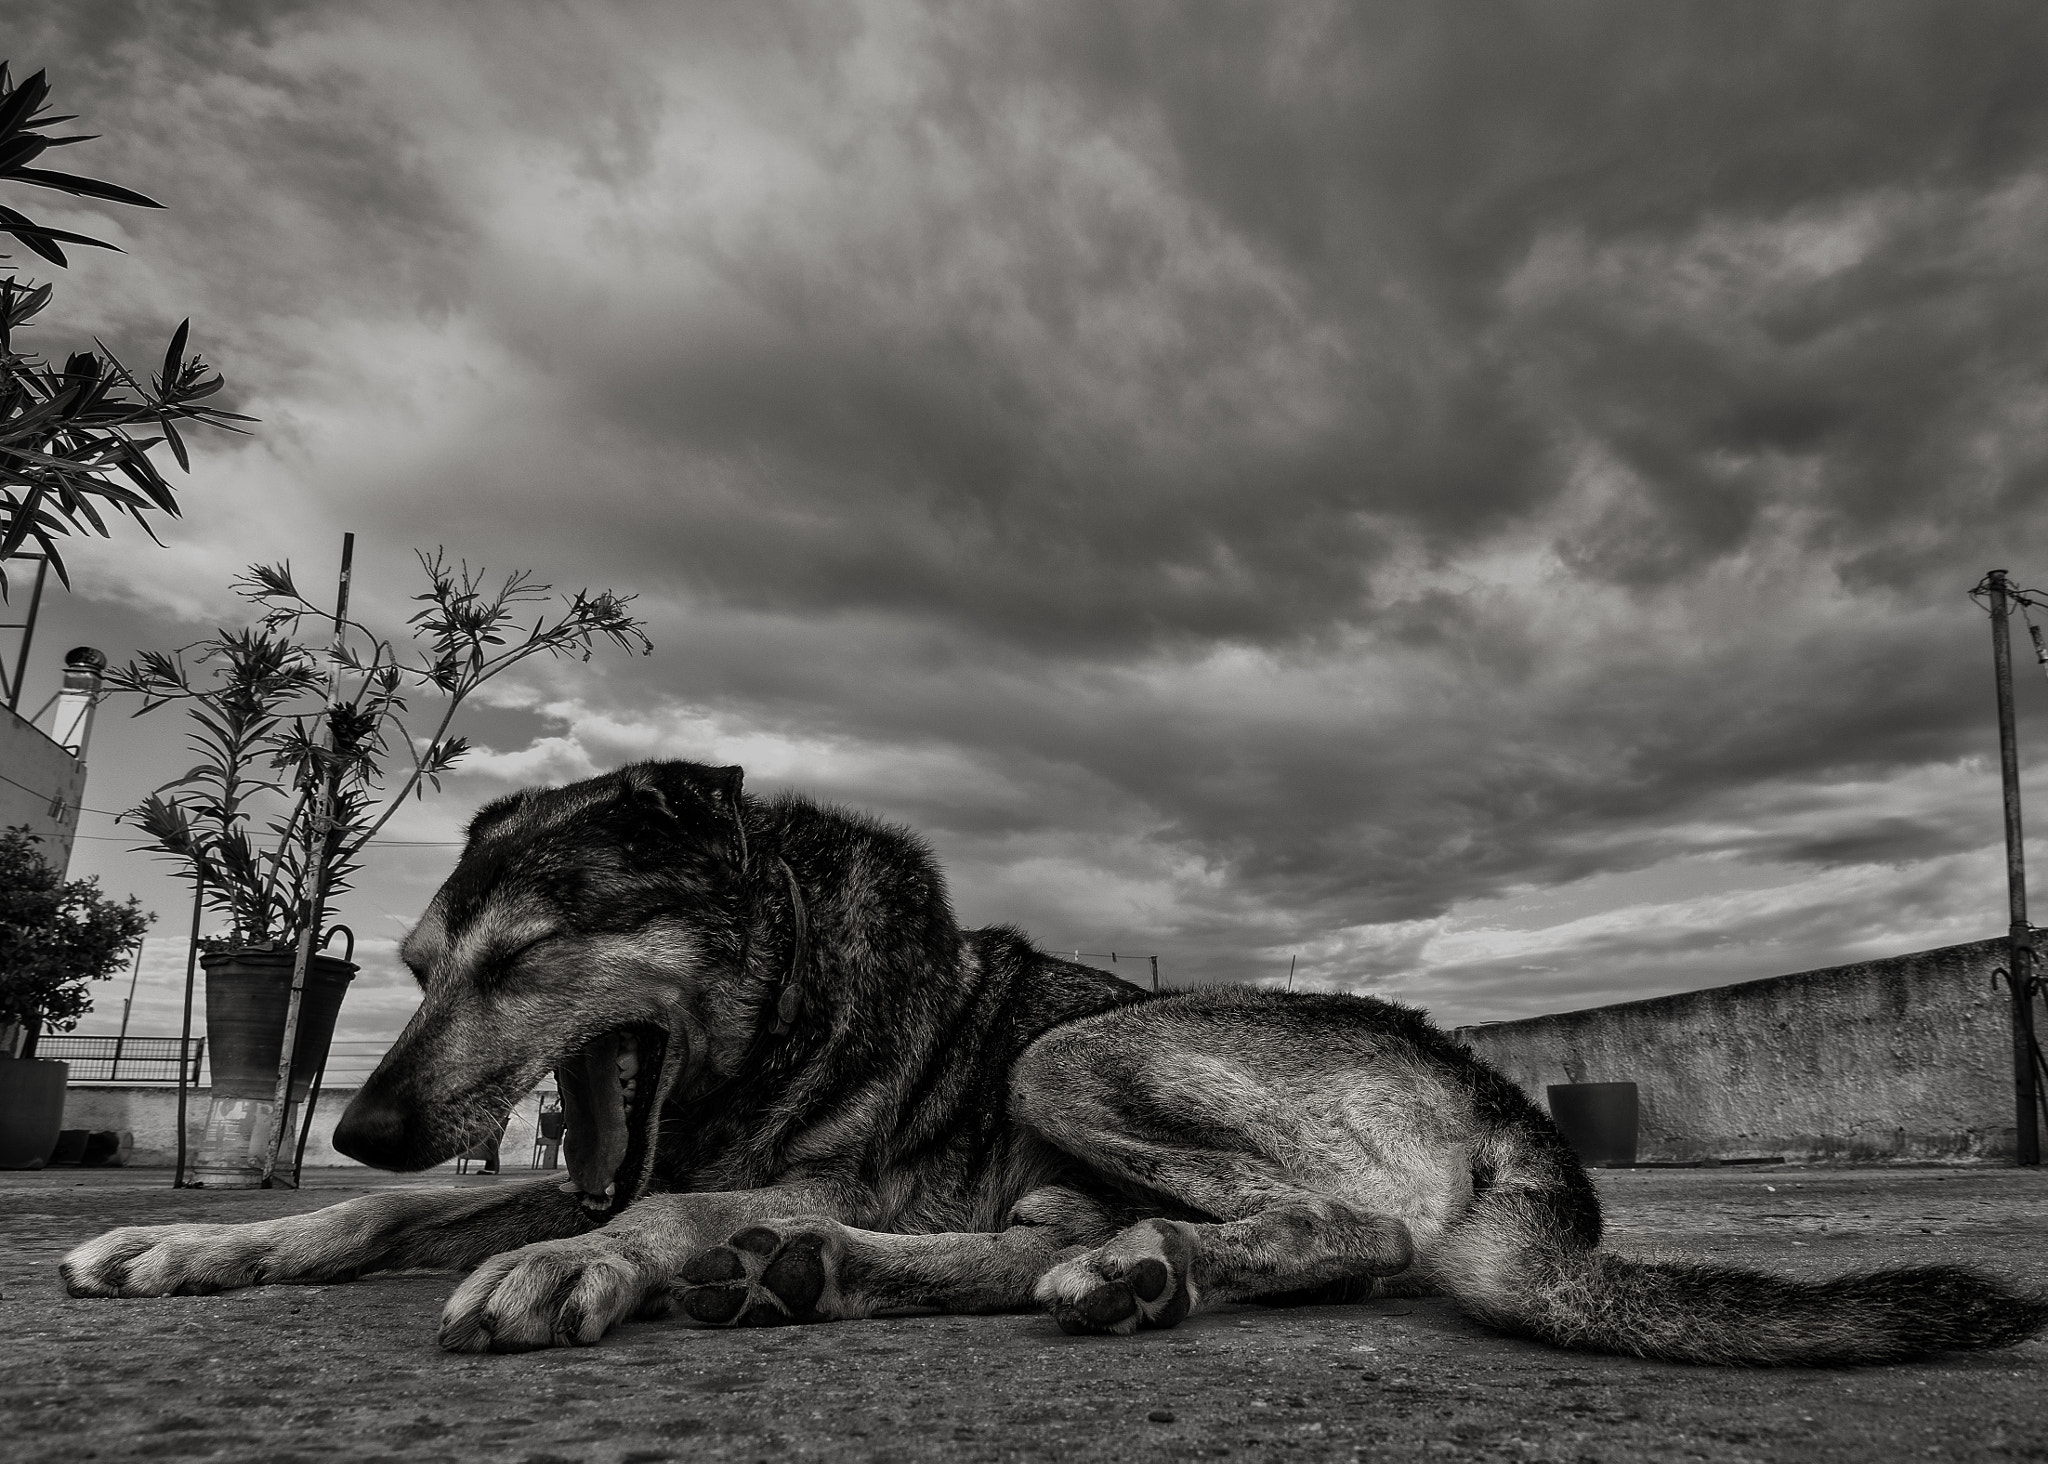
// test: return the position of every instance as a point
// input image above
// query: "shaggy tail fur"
(1509, 1264)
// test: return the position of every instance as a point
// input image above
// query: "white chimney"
(83, 671)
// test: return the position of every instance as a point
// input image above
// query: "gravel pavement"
(350, 1372)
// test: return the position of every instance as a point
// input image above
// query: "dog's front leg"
(563, 1292)
(439, 1229)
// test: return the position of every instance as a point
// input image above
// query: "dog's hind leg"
(786, 1271)
(1280, 1162)
(397, 1230)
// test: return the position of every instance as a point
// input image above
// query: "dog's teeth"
(568, 1187)
(610, 1190)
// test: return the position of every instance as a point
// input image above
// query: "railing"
(349, 1061)
(124, 1059)
(1082, 958)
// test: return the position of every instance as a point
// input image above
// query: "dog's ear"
(727, 784)
(670, 788)
(497, 812)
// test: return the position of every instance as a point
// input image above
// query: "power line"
(57, 802)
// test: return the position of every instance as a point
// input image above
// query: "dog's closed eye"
(501, 963)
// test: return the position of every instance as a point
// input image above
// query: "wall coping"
(1677, 1000)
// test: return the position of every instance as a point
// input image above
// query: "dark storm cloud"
(1251, 476)
(1473, 245)
(1753, 262)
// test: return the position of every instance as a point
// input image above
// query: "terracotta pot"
(247, 996)
(31, 1110)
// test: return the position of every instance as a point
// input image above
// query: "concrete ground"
(349, 1372)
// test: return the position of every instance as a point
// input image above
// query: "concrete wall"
(44, 786)
(1906, 1059)
(150, 1114)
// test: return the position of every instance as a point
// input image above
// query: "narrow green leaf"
(174, 355)
(32, 237)
(82, 187)
(38, 236)
(177, 445)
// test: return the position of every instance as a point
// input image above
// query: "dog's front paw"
(766, 1276)
(1139, 1279)
(555, 1293)
(167, 1260)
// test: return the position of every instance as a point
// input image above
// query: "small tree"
(305, 749)
(71, 439)
(56, 937)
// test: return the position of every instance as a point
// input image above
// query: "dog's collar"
(791, 1000)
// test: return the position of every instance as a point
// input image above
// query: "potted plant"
(56, 937)
(292, 785)
(243, 714)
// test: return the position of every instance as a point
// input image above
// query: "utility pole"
(127, 1006)
(2020, 935)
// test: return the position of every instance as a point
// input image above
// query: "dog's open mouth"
(611, 1096)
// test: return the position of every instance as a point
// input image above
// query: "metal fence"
(124, 1059)
(155, 1059)
(349, 1062)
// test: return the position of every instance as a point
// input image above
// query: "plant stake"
(323, 843)
(185, 1042)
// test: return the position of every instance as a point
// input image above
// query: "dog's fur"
(848, 1106)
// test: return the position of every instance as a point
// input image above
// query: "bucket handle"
(339, 929)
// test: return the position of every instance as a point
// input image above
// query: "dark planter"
(247, 996)
(31, 1109)
(1598, 1120)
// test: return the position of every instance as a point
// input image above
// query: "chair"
(547, 1131)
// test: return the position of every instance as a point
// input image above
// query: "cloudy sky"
(1476, 497)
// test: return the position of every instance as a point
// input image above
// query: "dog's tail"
(1516, 1263)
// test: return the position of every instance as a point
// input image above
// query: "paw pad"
(1149, 1279)
(1139, 1279)
(758, 1278)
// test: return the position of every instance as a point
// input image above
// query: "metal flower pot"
(31, 1109)
(1599, 1121)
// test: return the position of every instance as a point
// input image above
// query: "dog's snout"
(372, 1131)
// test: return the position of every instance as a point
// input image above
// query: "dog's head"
(591, 931)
